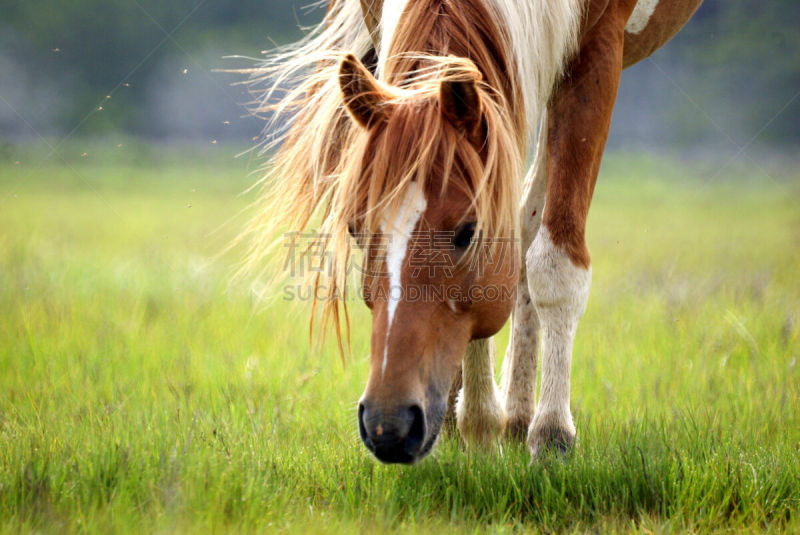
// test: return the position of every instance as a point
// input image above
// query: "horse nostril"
(362, 430)
(416, 433)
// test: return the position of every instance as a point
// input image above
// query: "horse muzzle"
(395, 434)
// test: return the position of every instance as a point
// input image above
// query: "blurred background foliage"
(146, 68)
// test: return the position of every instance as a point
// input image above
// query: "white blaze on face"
(390, 15)
(399, 232)
(640, 16)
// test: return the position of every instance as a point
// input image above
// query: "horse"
(404, 130)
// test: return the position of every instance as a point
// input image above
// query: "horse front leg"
(558, 262)
(522, 353)
(479, 412)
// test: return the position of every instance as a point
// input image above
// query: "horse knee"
(555, 283)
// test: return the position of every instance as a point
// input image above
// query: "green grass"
(139, 390)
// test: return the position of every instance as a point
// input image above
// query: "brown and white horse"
(410, 126)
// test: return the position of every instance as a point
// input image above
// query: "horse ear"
(363, 96)
(461, 105)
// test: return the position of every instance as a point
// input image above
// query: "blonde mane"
(330, 172)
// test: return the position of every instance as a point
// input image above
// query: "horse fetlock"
(517, 426)
(551, 431)
(519, 409)
(481, 425)
(449, 423)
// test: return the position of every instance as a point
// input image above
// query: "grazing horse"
(409, 124)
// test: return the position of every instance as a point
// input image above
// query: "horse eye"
(464, 235)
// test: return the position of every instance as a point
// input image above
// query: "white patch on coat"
(390, 16)
(399, 232)
(641, 16)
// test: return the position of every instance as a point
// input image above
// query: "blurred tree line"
(737, 62)
(88, 48)
(744, 61)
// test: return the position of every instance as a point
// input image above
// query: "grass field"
(140, 391)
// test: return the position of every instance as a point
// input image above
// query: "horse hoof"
(517, 428)
(550, 439)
